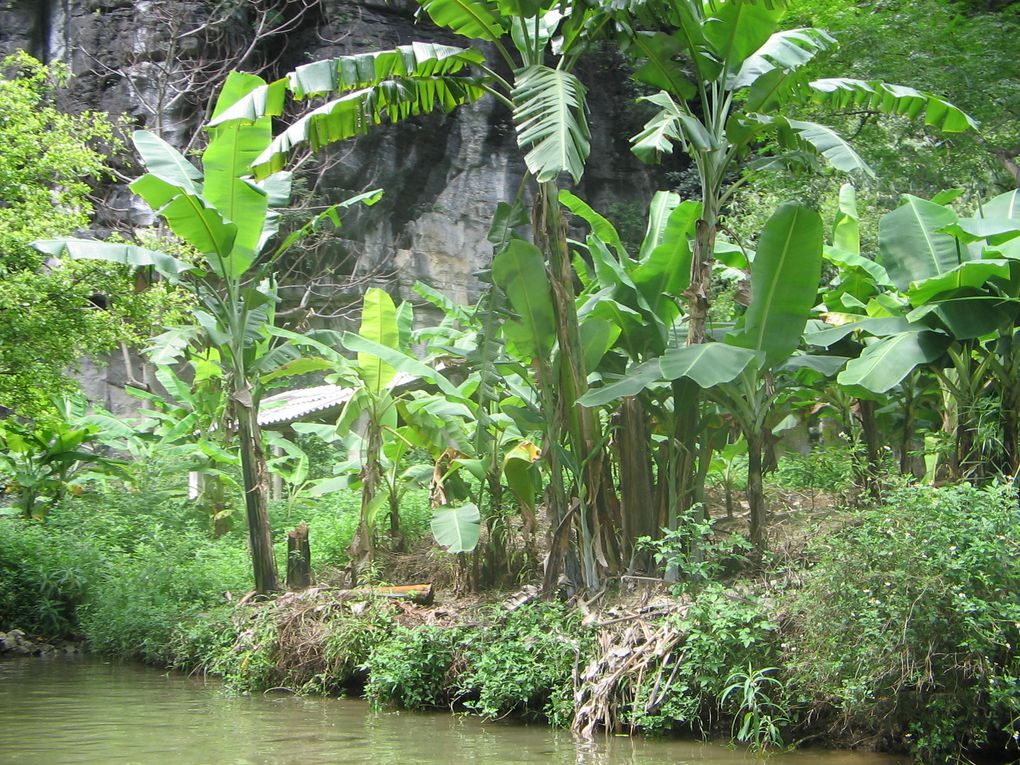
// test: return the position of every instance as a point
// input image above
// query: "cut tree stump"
(299, 559)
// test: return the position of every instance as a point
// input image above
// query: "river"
(85, 710)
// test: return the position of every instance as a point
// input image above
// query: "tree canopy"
(53, 313)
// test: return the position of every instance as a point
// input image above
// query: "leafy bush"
(45, 576)
(246, 653)
(694, 552)
(205, 642)
(413, 668)
(725, 633)
(827, 468)
(525, 662)
(166, 581)
(351, 634)
(909, 622)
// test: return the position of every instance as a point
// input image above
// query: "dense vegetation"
(587, 421)
(50, 317)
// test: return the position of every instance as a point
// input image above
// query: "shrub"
(413, 668)
(165, 582)
(694, 552)
(45, 576)
(909, 622)
(525, 664)
(825, 468)
(246, 656)
(351, 632)
(724, 633)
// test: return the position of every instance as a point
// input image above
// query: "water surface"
(64, 711)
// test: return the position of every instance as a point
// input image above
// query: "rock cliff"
(157, 63)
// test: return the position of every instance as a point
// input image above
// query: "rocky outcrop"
(15, 643)
(157, 63)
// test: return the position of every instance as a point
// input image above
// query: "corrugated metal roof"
(294, 405)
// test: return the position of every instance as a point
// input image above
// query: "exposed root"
(630, 646)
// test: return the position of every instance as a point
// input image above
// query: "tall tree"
(728, 76)
(549, 112)
(52, 314)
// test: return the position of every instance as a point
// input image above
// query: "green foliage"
(168, 580)
(351, 633)
(824, 468)
(758, 719)
(45, 192)
(125, 570)
(414, 668)
(52, 314)
(725, 633)
(965, 56)
(45, 575)
(693, 551)
(524, 664)
(909, 622)
(244, 647)
(42, 462)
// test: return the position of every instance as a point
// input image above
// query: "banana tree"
(950, 306)
(229, 219)
(630, 304)
(739, 373)
(549, 111)
(727, 76)
(726, 73)
(378, 381)
(500, 443)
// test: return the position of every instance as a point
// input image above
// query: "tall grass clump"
(45, 576)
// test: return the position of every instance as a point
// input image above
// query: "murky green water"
(54, 712)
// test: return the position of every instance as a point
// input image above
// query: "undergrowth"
(524, 664)
(898, 630)
(905, 631)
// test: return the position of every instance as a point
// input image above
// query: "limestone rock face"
(155, 62)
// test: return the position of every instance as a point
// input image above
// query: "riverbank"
(16, 643)
(891, 629)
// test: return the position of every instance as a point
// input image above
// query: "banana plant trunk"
(909, 415)
(255, 473)
(1007, 372)
(362, 548)
(756, 490)
(396, 538)
(597, 523)
(872, 446)
(686, 395)
(1011, 430)
(638, 514)
(701, 278)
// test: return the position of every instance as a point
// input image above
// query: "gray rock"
(442, 174)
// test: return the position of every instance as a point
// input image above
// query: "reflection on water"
(62, 711)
